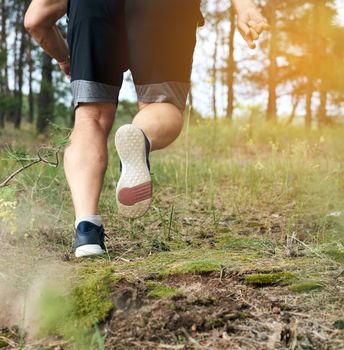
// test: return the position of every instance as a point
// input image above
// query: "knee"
(166, 110)
(98, 117)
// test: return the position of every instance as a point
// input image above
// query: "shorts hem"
(93, 100)
(85, 91)
(172, 92)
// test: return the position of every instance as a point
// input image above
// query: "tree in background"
(310, 37)
(231, 65)
(24, 70)
(46, 95)
(3, 64)
(302, 59)
(271, 14)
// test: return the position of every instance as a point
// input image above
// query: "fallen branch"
(40, 158)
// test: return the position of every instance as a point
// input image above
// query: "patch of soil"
(215, 314)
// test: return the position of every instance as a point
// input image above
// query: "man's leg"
(155, 127)
(160, 56)
(86, 157)
(161, 123)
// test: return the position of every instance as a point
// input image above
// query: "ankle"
(93, 219)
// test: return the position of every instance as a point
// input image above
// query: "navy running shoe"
(89, 240)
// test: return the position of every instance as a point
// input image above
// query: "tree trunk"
(46, 95)
(3, 65)
(20, 72)
(214, 69)
(272, 85)
(13, 110)
(312, 68)
(322, 112)
(231, 67)
(31, 97)
(293, 112)
(309, 100)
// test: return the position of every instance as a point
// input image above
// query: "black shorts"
(155, 39)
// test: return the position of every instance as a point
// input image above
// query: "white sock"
(94, 219)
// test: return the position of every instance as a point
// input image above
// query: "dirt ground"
(214, 311)
(218, 313)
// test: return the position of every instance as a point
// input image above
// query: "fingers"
(248, 34)
(259, 26)
(243, 28)
(254, 34)
(250, 41)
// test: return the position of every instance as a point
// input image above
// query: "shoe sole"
(134, 188)
(88, 250)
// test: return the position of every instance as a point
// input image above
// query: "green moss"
(73, 315)
(91, 299)
(161, 291)
(339, 324)
(3, 343)
(305, 287)
(185, 261)
(197, 267)
(266, 279)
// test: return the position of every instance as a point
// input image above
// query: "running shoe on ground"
(89, 240)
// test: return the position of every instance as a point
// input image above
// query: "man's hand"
(65, 67)
(251, 24)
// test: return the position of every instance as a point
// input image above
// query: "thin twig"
(6, 182)
(40, 158)
(311, 249)
(121, 257)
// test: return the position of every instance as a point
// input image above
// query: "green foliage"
(7, 103)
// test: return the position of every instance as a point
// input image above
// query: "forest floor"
(243, 247)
